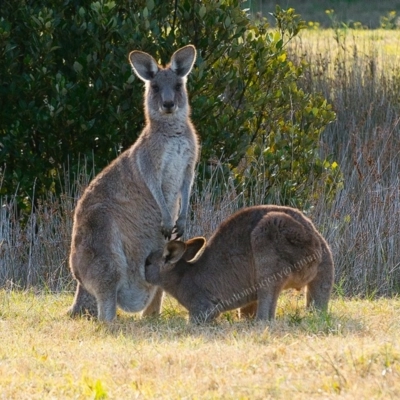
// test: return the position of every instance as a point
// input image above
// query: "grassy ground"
(352, 352)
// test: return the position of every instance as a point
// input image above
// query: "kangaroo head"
(165, 87)
(175, 259)
(189, 252)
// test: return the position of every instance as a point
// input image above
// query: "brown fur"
(254, 255)
(139, 199)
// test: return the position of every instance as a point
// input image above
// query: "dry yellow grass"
(381, 47)
(352, 352)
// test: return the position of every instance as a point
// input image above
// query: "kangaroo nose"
(168, 105)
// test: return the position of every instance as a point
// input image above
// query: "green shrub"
(389, 21)
(67, 89)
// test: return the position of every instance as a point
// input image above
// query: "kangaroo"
(253, 255)
(140, 199)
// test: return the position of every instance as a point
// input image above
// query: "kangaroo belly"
(301, 278)
(134, 295)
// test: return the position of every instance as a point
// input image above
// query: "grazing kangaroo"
(140, 199)
(252, 257)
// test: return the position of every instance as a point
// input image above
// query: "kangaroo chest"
(176, 157)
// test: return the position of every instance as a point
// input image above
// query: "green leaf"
(77, 67)
(202, 11)
(150, 4)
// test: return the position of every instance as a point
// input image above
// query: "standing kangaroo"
(139, 199)
(252, 257)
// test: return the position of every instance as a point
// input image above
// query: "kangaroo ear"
(182, 60)
(194, 249)
(173, 252)
(143, 64)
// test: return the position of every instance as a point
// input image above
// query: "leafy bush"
(390, 21)
(67, 89)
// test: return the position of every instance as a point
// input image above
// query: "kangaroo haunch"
(254, 255)
(139, 199)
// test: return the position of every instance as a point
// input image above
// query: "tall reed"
(34, 248)
(359, 73)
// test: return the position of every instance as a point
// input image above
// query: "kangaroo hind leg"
(84, 303)
(319, 289)
(154, 307)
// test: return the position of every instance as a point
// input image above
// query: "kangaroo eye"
(155, 88)
(178, 87)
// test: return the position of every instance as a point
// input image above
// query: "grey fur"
(254, 255)
(139, 199)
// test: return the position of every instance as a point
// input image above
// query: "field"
(366, 13)
(352, 352)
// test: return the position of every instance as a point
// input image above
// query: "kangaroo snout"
(168, 107)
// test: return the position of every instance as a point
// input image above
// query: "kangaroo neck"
(168, 126)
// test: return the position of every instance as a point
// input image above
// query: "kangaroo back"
(277, 225)
(279, 235)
